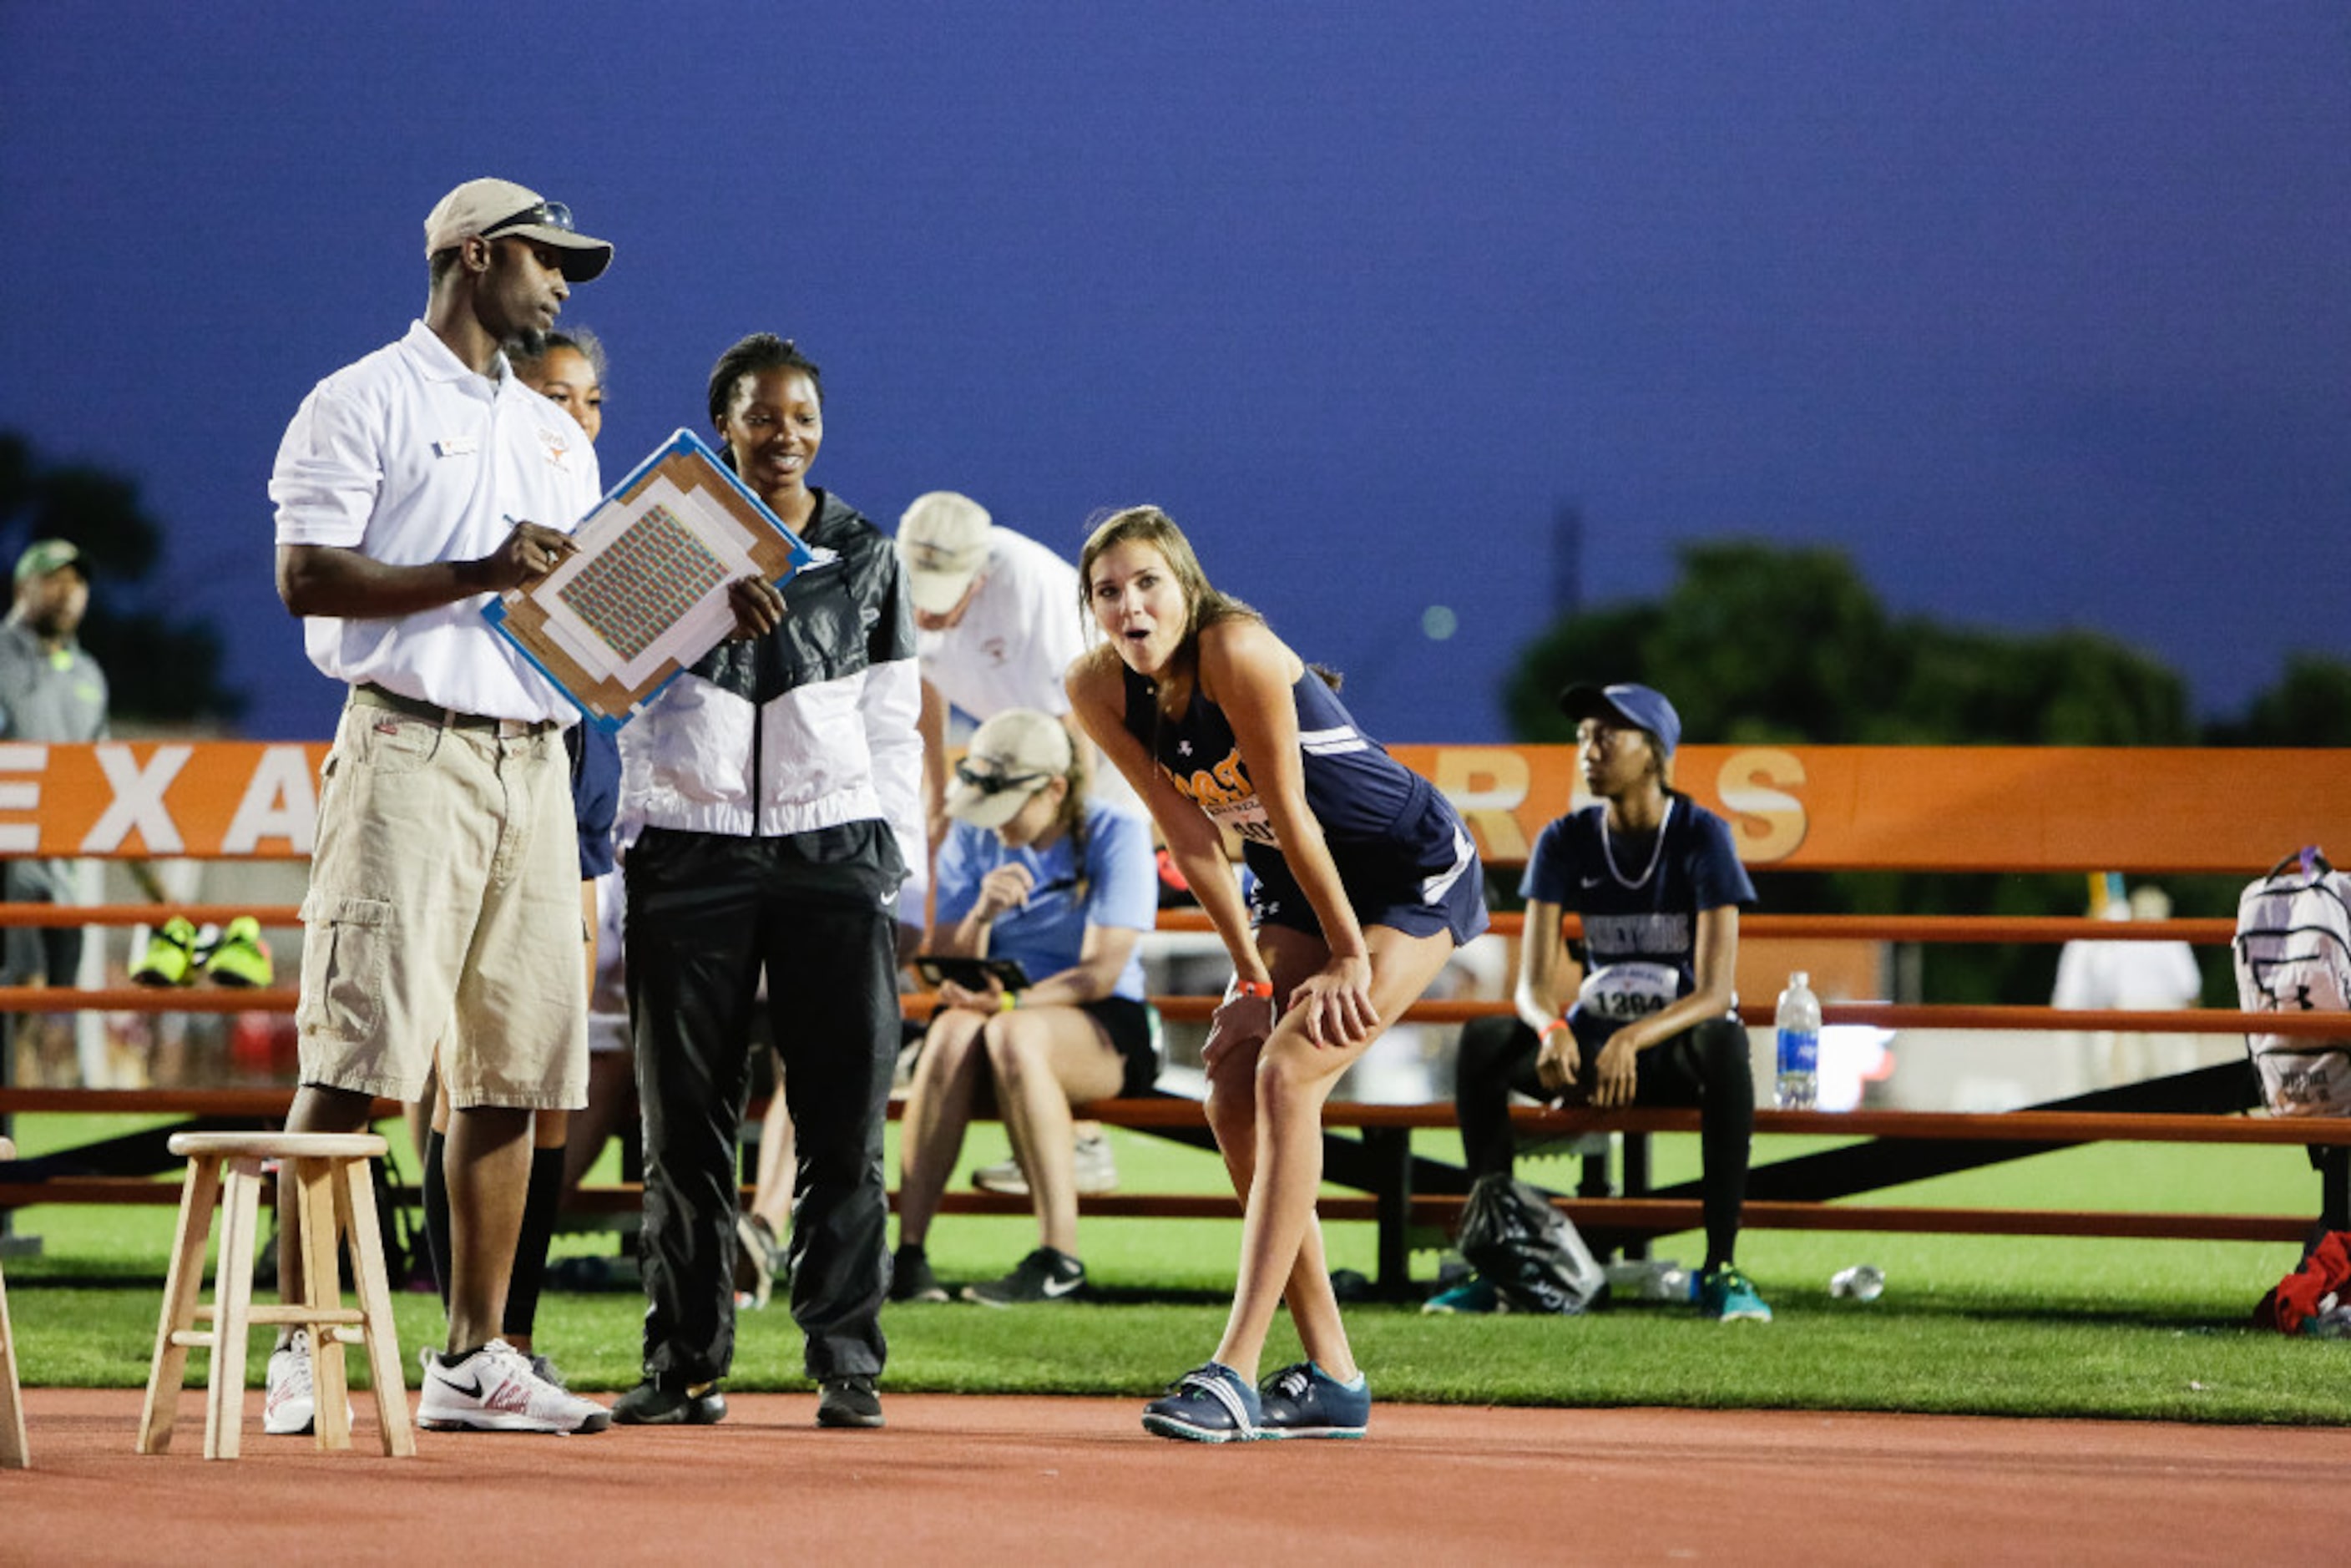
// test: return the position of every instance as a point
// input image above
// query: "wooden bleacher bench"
(1935, 810)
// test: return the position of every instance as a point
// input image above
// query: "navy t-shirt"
(1640, 899)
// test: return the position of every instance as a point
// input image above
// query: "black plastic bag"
(1529, 1250)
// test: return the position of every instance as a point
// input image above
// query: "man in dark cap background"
(50, 690)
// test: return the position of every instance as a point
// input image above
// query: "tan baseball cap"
(943, 542)
(1012, 756)
(497, 208)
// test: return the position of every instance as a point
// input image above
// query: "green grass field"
(2019, 1326)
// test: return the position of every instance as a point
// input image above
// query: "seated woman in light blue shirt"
(1034, 872)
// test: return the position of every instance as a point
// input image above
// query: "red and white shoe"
(495, 1390)
(291, 1405)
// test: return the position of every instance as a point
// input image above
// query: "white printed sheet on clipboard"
(644, 596)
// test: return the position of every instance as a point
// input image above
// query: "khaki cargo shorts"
(443, 915)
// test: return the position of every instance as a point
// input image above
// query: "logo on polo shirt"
(559, 449)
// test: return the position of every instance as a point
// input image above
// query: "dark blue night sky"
(2043, 312)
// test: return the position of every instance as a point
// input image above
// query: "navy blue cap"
(1638, 707)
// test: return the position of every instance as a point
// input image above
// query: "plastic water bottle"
(1798, 1085)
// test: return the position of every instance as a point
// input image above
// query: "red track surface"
(1045, 1482)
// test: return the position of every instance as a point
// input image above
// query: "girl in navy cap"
(1366, 882)
(1659, 887)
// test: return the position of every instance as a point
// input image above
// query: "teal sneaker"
(241, 958)
(1727, 1294)
(171, 956)
(1477, 1298)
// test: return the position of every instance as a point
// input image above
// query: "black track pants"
(707, 918)
(1705, 1066)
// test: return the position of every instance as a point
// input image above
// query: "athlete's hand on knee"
(1613, 1074)
(1239, 1022)
(1337, 1003)
(759, 606)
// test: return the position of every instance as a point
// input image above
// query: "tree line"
(1760, 643)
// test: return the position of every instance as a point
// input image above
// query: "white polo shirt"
(408, 456)
(1015, 642)
(1016, 636)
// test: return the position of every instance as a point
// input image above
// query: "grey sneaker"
(1096, 1165)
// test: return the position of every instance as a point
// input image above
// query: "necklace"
(1657, 850)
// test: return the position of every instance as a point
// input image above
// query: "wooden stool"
(336, 1201)
(13, 1455)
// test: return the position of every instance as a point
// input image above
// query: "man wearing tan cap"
(410, 487)
(997, 621)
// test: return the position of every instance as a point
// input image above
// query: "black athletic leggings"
(1705, 1066)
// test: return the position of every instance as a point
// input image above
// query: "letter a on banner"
(279, 803)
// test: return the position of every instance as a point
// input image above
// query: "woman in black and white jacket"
(778, 785)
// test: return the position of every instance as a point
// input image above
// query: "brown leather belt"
(371, 695)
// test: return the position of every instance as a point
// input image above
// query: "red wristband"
(1262, 989)
(1549, 1030)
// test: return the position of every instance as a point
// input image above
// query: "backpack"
(1511, 1234)
(2293, 953)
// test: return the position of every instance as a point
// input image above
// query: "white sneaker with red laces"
(291, 1404)
(495, 1390)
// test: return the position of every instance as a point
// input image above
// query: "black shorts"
(1133, 1030)
(1428, 879)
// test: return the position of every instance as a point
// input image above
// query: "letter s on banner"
(1767, 823)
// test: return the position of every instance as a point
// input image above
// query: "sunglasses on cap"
(997, 783)
(550, 214)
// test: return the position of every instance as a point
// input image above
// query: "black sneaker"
(1045, 1275)
(661, 1402)
(848, 1402)
(910, 1279)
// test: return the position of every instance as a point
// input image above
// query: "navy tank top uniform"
(1402, 853)
(1639, 902)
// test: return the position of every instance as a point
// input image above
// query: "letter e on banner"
(280, 803)
(1767, 822)
(1487, 786)
(21, 837)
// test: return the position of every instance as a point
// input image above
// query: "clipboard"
(644, 597)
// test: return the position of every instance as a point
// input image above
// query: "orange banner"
(204, 800)
(1813, 808)
(1972, 808)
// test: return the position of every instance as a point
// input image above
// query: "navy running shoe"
(1304, 1401)
(1212, 1404)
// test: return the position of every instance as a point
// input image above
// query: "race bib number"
(1248, 819)
(1620, 993)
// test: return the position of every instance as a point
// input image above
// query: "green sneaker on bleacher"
(171, 957)
(241, 958)
(1729, 1295)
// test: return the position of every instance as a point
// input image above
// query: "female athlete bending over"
(1365, 885)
